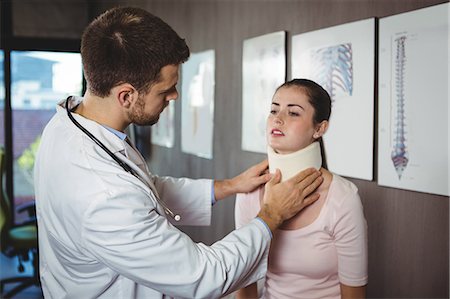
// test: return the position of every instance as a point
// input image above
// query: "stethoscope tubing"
(124, 165)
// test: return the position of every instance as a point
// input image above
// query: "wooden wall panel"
(49, 18)
(408, 231)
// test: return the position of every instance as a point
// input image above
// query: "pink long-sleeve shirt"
(312, 261)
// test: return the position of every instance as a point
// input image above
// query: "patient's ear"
(321, 129)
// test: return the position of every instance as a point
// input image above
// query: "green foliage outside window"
(26, 160)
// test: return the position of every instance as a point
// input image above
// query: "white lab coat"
(103, 234)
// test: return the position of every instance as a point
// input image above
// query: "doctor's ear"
(126, 96)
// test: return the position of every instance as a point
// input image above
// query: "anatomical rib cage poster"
(263, 70)
(163, 130)
(341, 59)
(197, 104)
(413, 131)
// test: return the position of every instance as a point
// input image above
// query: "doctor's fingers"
(310, 199)
(305, 181)
(310, 184)
(260, 172)
(305, 175)
(262, 179)
(261, 167)
(305, 189)
(255, 170)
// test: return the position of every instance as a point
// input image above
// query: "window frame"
(9, 43)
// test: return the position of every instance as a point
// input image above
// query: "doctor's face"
(148, 107)
(290, 125)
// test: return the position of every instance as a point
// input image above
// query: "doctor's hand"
(247, 181)
(284, 200)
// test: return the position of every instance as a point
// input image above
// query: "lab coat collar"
(121, 148)
(109, 139)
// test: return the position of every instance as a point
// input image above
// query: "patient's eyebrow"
(296, 105)
(289, 105)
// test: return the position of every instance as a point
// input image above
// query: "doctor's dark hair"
(319, 98)
(128, 45)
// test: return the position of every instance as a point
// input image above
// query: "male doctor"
(105, 222)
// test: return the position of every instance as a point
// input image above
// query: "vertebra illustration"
(399, 154)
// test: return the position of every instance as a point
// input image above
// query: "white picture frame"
(342, 60)
(197, 104)
(263, 70)
(413, 130)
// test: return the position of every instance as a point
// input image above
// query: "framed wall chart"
(413, 130)
(341, 59)
(263, 70)
(197, 104)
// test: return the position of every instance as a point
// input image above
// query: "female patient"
(322, 251)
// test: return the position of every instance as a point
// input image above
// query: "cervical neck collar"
(293, 163)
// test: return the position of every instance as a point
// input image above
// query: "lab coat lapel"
(136, 158)
(133, 154)
(122, 149)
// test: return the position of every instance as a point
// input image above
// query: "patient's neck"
(292, 163)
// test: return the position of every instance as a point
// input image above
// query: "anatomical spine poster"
(263, 70)
(197, 104)
(341, 59)
(413, 131)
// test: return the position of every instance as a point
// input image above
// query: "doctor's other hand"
(284, 200)
(247, 181)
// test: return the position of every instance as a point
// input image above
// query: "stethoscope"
(124, 165)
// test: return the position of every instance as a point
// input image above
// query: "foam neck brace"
(293, 163)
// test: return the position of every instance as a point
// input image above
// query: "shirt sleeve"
(350, 233)
(189, 198)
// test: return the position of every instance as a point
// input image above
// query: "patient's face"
(290, 123)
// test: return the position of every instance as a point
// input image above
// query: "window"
(39, 80)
